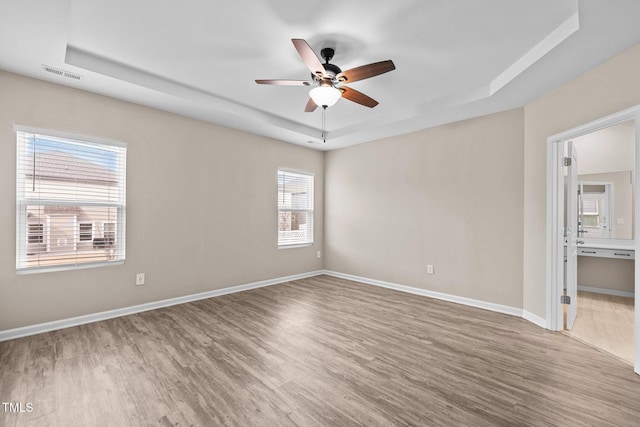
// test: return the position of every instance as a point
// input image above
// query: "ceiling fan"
(328, 80)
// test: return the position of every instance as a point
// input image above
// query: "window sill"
(296, 245)
(49, 269)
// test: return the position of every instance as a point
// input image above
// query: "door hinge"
(566, 161)
(565, 299)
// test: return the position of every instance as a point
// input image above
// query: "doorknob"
(580, 242)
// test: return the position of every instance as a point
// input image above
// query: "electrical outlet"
(319, 254)
(139, 279)
(430, 269)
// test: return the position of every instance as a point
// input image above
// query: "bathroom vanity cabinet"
(606, 268)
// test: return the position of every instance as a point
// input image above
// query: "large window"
(70, 201)
(295, 208)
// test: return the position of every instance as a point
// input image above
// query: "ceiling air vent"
(60, 72)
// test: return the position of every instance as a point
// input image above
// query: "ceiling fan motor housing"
(331, 69)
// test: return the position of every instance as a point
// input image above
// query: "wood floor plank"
(315, 352)
(606, 322)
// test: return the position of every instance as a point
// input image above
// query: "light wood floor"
(606, 322)
(315, 352)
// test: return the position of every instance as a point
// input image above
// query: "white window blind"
(295, 208)
(590, 207)
(71, 202)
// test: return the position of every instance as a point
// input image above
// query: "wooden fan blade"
(366, 71)
(309, 58)
(358, 97)
(284, 82)
(310, 107)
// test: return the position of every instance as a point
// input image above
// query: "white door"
(571, 235)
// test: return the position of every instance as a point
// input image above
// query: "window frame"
(310, 235)
(23, 202)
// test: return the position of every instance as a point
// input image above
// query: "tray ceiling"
(454, 60)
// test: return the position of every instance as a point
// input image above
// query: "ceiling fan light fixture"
(325, 77)
(325, 96)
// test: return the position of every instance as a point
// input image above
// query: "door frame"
(555, 221)
(570, 235)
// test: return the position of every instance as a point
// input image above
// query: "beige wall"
(395, 205)
(468, 197)
(450, 196)
(606, 89)
(201, 205)
(606, 273)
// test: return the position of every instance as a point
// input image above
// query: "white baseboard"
(513, 311)
(96, 317)
(606, 291)
(534, 318)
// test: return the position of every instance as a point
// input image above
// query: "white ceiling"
(454, 59)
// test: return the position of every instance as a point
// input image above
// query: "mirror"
(606, 171)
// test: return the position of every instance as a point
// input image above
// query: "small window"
(86, 232)
(590, 207)
(66, 187)
(35, 233)
(295, 208)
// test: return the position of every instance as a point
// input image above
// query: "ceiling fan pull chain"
(324, 109)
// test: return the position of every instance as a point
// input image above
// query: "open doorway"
(605, 228)
(592, 234)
